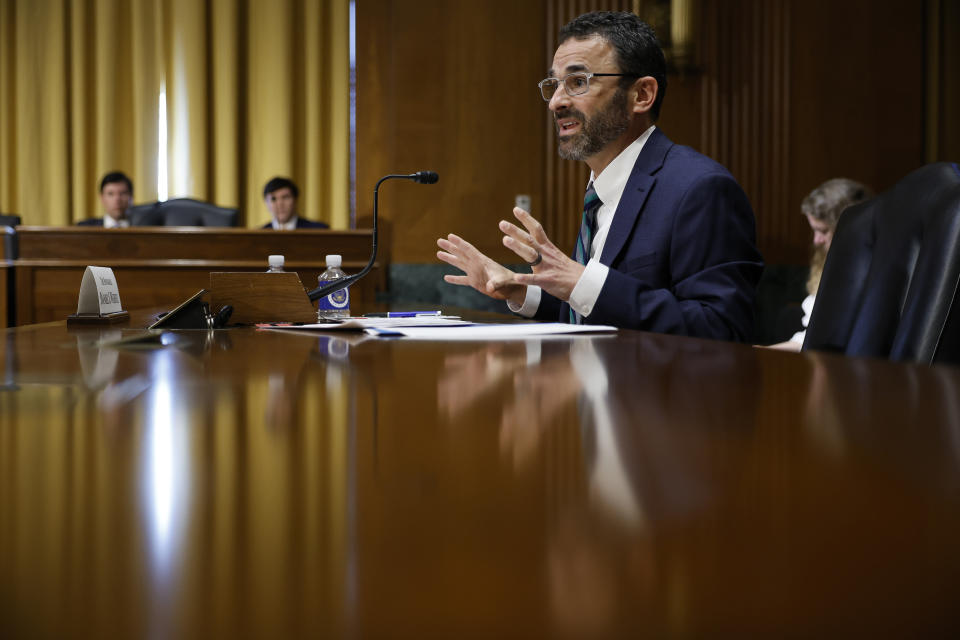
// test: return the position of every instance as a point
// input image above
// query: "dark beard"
(598, 131)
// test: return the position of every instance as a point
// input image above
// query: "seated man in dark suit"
(116, 192)
(280, 195)
(667, 240)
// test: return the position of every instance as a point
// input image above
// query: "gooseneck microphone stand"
(422, 177)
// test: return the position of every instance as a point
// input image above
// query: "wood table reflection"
(256, 483)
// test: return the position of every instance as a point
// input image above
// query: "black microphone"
(423, 177)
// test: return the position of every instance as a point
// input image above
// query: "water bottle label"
(337, 300)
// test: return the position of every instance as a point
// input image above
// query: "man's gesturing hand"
(480, 272)
(556, 273)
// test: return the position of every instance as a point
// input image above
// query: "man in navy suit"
(280, 196)
(116, 192)
(667, 240)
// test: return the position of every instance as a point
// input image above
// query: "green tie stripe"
(588, 227)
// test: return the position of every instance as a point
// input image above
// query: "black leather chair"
(890, 284)
(10, 246)
(7, 220)
(182, 212)
(10, 251)
(144, 215)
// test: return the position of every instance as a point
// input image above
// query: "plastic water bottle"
(337, 304)
(275, 264)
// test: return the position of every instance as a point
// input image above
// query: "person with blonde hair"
(822, 208)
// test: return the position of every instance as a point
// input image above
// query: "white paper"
(99, 293)
(359, 324)
(492, 331)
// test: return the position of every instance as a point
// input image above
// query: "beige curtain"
(77, 100)
(253, 89)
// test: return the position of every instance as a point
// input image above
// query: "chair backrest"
(10, 245)
(890, 284)
(144, 215)
(182, 212)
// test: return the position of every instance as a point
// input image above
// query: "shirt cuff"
(530, 303)
(584, 295)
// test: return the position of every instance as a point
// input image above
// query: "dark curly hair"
(637, 48)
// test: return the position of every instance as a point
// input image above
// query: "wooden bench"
(162, 266)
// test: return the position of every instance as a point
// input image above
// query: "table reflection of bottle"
(334, 347)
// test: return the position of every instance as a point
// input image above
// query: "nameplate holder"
(99, 300)
(262, 297)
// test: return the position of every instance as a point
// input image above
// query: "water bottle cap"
(275, 261)
(334, 260)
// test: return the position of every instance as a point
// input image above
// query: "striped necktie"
(588, 228)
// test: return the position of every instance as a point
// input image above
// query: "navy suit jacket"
(302, 223)
(681, 250)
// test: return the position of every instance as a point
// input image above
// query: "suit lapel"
(634, 197)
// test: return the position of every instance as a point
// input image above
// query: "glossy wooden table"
(246, 483)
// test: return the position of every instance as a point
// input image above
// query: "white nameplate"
(99, 293)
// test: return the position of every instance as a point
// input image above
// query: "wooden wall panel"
(793, 93)
(943, 80)
(745, 105)
(857, 90)
(449, 86)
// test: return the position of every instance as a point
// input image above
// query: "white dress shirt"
(609, 484)
(807, 306)
(109, 222)
(609, 186)
(289, 225)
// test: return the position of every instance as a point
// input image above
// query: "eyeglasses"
(575, 84)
